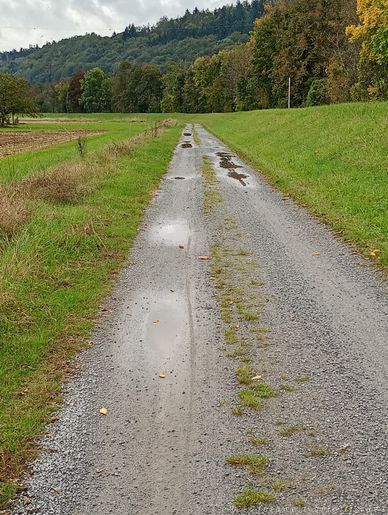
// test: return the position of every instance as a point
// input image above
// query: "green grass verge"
(333, 159)
(54, 274)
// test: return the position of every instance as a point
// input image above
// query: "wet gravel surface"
(158, 367)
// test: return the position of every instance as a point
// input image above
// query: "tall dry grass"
(15, 210)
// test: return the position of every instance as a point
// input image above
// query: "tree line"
(201, 32)
(333, 51)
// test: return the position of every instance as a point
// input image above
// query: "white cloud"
(31, 22)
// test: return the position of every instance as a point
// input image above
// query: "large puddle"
(173, 233)
(165, 328)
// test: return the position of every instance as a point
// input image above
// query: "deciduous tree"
(96, 91)
(15, 98)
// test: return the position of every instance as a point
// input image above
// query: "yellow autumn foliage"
(373, 16)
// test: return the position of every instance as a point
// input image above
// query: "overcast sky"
(25, 22)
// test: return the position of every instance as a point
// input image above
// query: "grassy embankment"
(57, 262)
(332, 159)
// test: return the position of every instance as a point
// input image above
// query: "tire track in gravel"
(163, 446)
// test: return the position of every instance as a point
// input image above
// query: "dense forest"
(332, 50)
(197, 33)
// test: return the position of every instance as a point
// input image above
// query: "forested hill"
(182, 39)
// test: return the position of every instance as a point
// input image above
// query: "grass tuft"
(252, 497)
(317, 452)
(303, 379)
(250, 400)
(299, 502)
(244, 374)
(255, 463)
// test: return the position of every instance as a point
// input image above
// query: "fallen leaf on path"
(162, 376)
(55, 418)
(375, 252)
(26, 501)
(156, 322)
(103, 411)
(315, 253)
(256, 378)
(182, 247)
(203, 258)
(56, 489)
(99, 470)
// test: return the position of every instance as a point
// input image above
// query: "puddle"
(175, 233)
(187, 134)
(239, 177)
(165, 328)
(179, 178)
(187, 145)
(226, 161)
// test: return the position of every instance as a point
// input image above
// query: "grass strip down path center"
(55, 271)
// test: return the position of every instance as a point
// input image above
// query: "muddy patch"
(187, 134)
(173, 233)
(187, 144)
(22, 141)
(226, 161)
(240, 177)
(179, 178)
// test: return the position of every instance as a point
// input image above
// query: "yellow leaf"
(375, 252)
(203, 258)
(256, 378)
(315, 253)
(103, 411)
(162, 376)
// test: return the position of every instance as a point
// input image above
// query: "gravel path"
(159, 367)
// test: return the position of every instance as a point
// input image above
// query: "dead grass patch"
(14, 210)
(65, 183)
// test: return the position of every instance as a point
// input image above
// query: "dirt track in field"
(16, 142)
(308, 317)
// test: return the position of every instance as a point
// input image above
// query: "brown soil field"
(15, 142)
